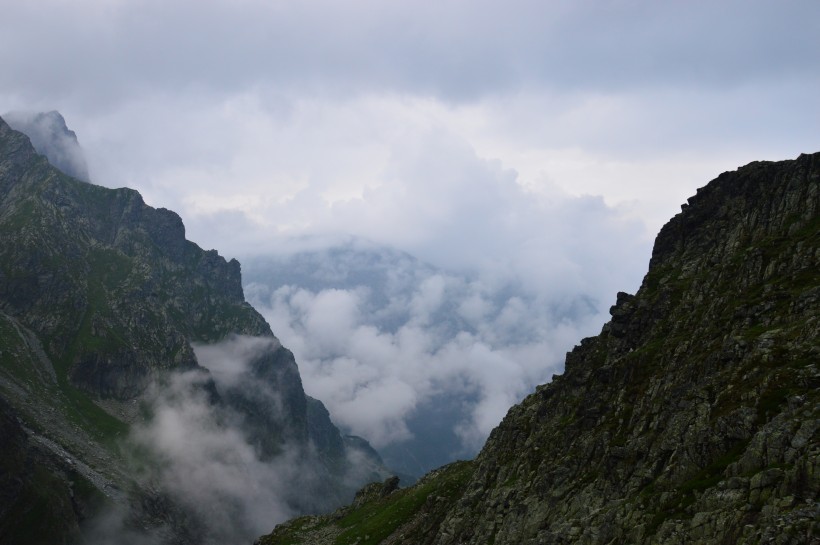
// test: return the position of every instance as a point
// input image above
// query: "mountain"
(51, 137)
(113, 325)
(693, 416)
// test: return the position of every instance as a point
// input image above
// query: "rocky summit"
(103, 302)
(693, 416)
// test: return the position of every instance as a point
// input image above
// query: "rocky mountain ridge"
(692, 418)
(102, 299)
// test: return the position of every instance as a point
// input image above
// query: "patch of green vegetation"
(85, 413)
(375, 521)
(109, 268)
(16, 361)
(80, 408)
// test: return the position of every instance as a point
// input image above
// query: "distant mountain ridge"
(694, 417)
(101, 299)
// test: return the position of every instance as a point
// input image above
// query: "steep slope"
(111, 287)
(101, 299)
(692, 418)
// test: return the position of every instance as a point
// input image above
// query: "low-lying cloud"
(202, 459)
(206, 478)
(496, 284)
(422, 360)
(451, 337)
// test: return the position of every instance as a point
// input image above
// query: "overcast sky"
(537, 142)
(300, 115)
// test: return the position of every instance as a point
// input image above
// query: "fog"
(50, 137)
(201, 473)
(423, 361)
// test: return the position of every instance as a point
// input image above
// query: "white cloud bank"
(517, 277)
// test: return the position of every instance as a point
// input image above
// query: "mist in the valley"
(457, 291)
(421, 362)
(206, 478)
(424, 360)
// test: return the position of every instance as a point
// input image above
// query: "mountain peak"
(50, 136)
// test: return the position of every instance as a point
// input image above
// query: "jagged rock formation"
(51, 137)
(101, 296)
(692, 418)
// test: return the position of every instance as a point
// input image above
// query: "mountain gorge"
(112, 325)
(693, 416)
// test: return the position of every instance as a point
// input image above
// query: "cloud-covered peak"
(51, 137)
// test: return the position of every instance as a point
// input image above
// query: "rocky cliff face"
(110, 285)
(692, 418)
(103, 298)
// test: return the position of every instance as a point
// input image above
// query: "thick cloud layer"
(221, 109)
(390, 343)
(451, 337)
(455, 50)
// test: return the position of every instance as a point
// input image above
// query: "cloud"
(379, 351)
(204, 462)
(310, 118)
(500, 282)
(50, 137)
(200, 470)
(228, 361)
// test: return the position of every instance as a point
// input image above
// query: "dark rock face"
(694, 416)
(35, 486)
(110, 284)
(51, 137)
(101, 296)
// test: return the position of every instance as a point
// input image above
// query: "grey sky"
(598, 97)
(455, 50)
